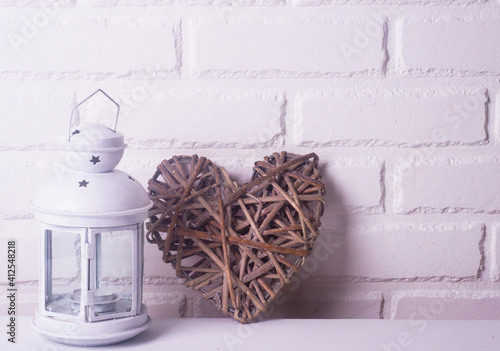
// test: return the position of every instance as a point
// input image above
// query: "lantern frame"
(89, 272)
(85, 328)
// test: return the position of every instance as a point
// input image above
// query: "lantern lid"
(93, 147)
(80, 199)
(93, 137)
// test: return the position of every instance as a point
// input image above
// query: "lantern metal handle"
(109, 97)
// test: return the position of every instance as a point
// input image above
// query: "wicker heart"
(238, 246)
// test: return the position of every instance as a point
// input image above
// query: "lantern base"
(92, 333)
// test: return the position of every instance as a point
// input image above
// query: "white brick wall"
(360, 183)
(393, 118)
(270, 48)
(402, 252)
(240, 117)
(141, 44)
(399, 98)
(463, 184)
(419, 39)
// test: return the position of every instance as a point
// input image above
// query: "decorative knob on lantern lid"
(93, 147)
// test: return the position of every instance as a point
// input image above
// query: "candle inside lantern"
(104, 301)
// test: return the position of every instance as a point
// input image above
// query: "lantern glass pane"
(62, 271)
(114, 272)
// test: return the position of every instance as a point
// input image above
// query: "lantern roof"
(80, 199)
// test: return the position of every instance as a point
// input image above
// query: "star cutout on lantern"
(76, 131)
(83, 183)
(95, 159)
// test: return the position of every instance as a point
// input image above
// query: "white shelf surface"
(286, 334)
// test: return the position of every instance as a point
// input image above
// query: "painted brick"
(495, 253)
(38, 3)
(228, 3)
(392, 118)
(497, 112)
(170, 299)
(355, 184)
(331, 305)
(237, 119)
(154, 268)
(27, 171)
(403, 252)
(165, 304)
(421, 307)
(266, 48)
(135, 3)
(22, 125)
(385, 2)
(116, 46)
(25, 232)
(430, 46)
(467, 185)
(26, 301)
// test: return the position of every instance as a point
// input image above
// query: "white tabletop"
(286, 334)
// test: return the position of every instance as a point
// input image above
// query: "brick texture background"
(399, 98)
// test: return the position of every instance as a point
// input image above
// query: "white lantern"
(91, 259)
